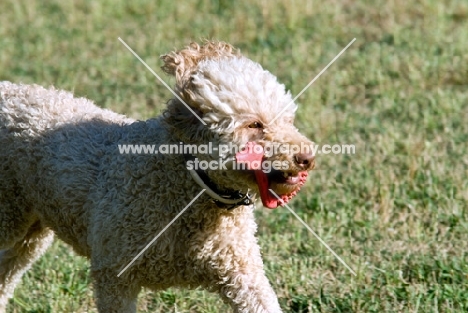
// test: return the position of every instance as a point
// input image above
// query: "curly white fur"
(61, 172)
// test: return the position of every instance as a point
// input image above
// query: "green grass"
(396, 211)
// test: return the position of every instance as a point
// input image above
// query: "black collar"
(229, 199)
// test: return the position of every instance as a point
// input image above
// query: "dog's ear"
(183, 62)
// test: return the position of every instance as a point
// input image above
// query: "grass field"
(396, 211)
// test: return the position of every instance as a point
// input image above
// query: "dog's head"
(242, 105)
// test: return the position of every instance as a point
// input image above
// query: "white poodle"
(62, 173)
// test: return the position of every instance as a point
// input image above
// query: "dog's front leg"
(114, 294)
(237, 273)
(226, 258)
(250, 292)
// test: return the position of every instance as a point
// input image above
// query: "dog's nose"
(304, 160)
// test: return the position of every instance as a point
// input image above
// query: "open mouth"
(285, 184)
(285, 187)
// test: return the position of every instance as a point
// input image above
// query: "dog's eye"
(255, 125)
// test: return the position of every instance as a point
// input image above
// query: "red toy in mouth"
(287, 183)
